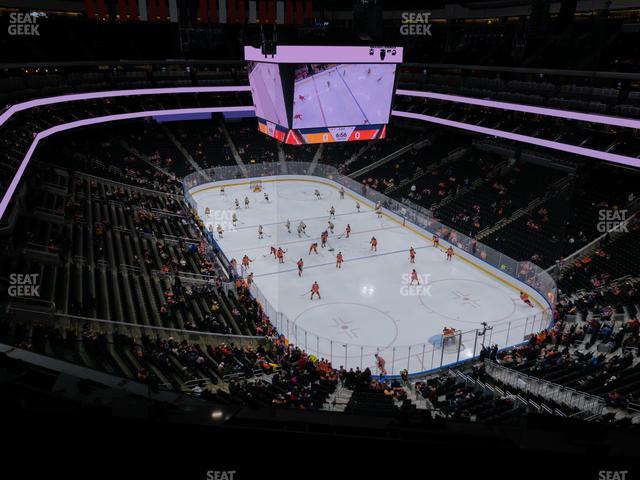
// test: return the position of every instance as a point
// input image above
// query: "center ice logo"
(415, 23)
(415, 286)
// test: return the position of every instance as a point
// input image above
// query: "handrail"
(38, 316)
(592, 403)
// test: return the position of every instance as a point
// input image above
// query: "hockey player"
(297, 116)
(358, 206)
(237, 202)
(315, 290)
(313, 248)
(219, 230)
(316, 192)
(339, 260)
(324, 236)
(436, 240)
(450, 253)
(332, 212)
(302, 229)
(300, 265)
(414, 277)
(302, 98)
(331, 226)
(341, 191)
(347, 231)
(222, 190)
(280, 255)
(379, 210)
(412, 255)
(374, 244)
(266, 197)
(260, 232)
(273, 251)
(246, 202)
(288, 226)
(234, 219)
(380, 363)
(245, 262)
(525, 298)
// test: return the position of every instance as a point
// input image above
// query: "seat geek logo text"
(23, 24)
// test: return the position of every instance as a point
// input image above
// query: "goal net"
(255, 185)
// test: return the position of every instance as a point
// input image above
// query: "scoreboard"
(312, 94)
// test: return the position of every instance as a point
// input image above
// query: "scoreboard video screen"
(308, 94)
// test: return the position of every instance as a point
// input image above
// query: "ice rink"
(367, 306)
(344, 95)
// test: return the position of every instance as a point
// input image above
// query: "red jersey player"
(315, 290)
(374, 244)
(323, 239)
(525, 298)
(339, 260)
(449, 253)
(412, 255)
(347, 230)
(313, 248)
(280, 255)
(300, 264)
(436, 240)
(302, 97)
(380, 363)
(245, 262)
(414, 277)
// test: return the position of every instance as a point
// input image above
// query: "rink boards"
(360, 350)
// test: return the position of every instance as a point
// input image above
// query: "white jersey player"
(219, 230)
(341, 193)
(266, 197)
(288, 225)
(234, 219)
(237, 203)
(332, 212)
(331, 226)
(222, 190)
(317, 194)
(260, 231)
(358, 206)
(246, 202)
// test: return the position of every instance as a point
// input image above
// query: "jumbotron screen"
(307, 95)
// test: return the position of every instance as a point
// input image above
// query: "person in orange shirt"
(412, 255)
(300, 264)
(313, 248)
(414, 277)
(525, 298)
(339, 260)
(374, 244)
(315, 290)
(449, 253)
(347, 230)
(245, 262)
(436, 240)
(280, 255)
